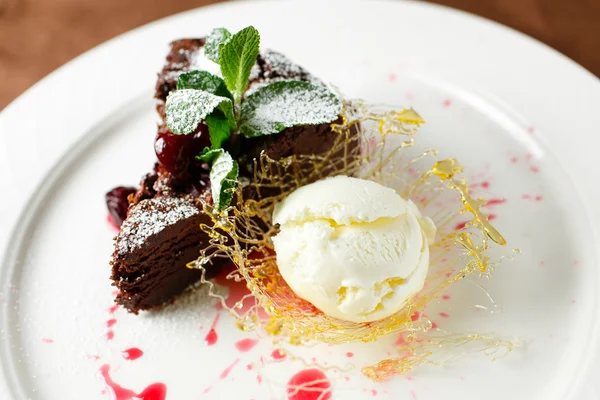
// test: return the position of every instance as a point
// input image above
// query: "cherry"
(117, 204)
(177, 153)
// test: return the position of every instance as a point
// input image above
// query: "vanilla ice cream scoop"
(353, 248)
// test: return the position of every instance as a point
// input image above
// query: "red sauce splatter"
(249, 367)
(212, 337)
(535, 169)
(447, 102)
(392, 77)
(531, 129)
(47, 340)
(245, 345)
(156, 391)
(413, 394)
(310, 384)
(349, 354)
(259, 379)
(227, 370)
(514, 160)
(538, 198)
(443, 314)
(94, 357)
(400, 341)
(493, 202)
(238, 293)
(132, 354)
(415, 316)
(527, 196)
(278, 354)
(434, 325)
(484, 184)
(112, 223)
(113, 309)
(460, 225)
(446, 297)
(110, 335)
(374, 392)
(491, 217)
(111, 322)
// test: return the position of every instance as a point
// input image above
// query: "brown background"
(36, 36)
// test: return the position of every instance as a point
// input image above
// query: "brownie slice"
(179, 60)
(158, 238)
(161, 233)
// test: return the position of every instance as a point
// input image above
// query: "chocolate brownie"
(161, 233)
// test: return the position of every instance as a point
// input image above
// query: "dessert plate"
(519, 116)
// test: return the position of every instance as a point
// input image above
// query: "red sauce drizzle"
(245, 345)
(493, 202)
(212, 337)
(237, 292)
(110, 335)
(460, 225)
(310, 384)
(156, 391)
(132, 354)
(278, 354)
(111, 322)
(227, 370)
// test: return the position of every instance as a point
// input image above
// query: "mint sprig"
(203, 80)
(285, 104)
(217, 37)
(237, 57)
(186, 108)
(219, 130)
(201, 96)
(223, 176)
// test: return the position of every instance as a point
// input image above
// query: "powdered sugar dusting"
(285, 104)
(149, 217)
(281, 65)
(276, 67)
(186, 108)
(255, 72)
(199, 62)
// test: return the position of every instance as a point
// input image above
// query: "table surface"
(38, 36)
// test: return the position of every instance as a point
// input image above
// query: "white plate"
(519, 115)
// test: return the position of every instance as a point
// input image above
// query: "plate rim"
(28, 98)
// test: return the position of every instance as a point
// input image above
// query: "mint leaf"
(218, 130)
(217, 37)
(203, 80)
(237, 57)
(223, 176)
(284, 104)
(186, 108)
